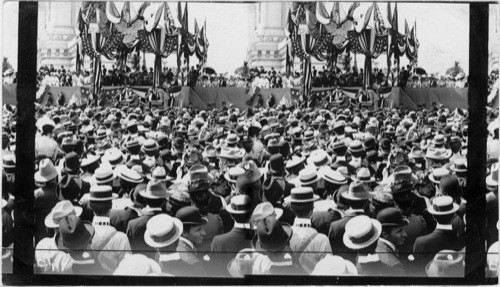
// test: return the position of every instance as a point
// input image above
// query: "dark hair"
(47, 129)
(154, 202)
(241, 218)
(444, 219)
(357, 204)
(302, 209)
(101, 208)
(369, 249)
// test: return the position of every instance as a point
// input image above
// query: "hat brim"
(400, 224)
(313, 199)
(49, 223)
(203, 221)
(454, 169)
(113, 196)
(490, 181)
(348, 196)
(43, 179)
(355, 246)
(451, 211)
(354, 178)
(234, 211)
(302, 183)
(130, 179)
(178, 231)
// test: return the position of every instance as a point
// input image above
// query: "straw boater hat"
(240, 204)
(319, 158)
(129, 175)
(361, 232)
(104, 174)
(232, 174)
(437, 174)
(265, 209)
(162, 230)
(333, 265)
(443, 205)
(459, 165)
(102, 193)
(308, 175)
(438, 154)
(333, 176)
(363, 175)
(303, 195)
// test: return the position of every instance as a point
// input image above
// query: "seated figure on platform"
(364, 98)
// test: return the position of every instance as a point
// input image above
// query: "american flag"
(380, 28)
(158, 42)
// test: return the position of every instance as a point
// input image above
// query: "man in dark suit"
(155, 195)
(226, 246)
(356, 199)
(393, 235)
(444, 237)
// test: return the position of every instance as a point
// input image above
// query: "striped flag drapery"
(160, 44)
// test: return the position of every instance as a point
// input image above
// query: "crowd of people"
(196, 76)
(229, 192)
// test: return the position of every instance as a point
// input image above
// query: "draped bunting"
(412, 44)
(160, 44)
(201, 43)
(95, 43)
(367, 43)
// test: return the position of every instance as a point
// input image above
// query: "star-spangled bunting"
(169, 44)
(356, 47)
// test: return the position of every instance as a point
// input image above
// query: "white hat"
(162, 230)
(361, 231)
(61, 209)
(443, 205)
(137, 265)
(333, 265)
(46, 171)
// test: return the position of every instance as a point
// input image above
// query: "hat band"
(305, 180)
(243, 207)
(364, 238)
(302, 196)
(152, 147)
(322, 162)
(116, 161)
(176, 201)
(160, 177)
(106, 178)
(364, 177)
(443, 208)
(100, 194)
(128, 178)
(163, 237)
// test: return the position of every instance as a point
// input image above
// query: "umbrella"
(420, 71)
(210, 71)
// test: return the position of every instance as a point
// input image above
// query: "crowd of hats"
(328, 157)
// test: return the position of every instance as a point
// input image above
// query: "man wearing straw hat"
(48, 257)
(443, 210)
(225, 246)
(45, 196)
(306, 243)
(155, 195)
(162, 234)
(114, 245)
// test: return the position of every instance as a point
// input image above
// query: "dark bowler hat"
(71, 162)
(191, 215)
(391, 217)
(276, 164)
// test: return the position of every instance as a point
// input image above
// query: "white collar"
(351, 210)
(302, 222)
(444, 226)
(368, 258)
(391, 245)
(242, 225)
(169, 257)
(188, 242)
(150, 210)
(100, 220)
